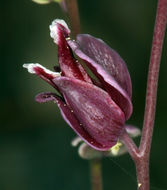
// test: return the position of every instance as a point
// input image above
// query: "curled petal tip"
(76, 141)
(54, 29)
(30, 67)
(133, 131)
(34, 68)
(61, 22)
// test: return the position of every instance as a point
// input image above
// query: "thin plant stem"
(96, 174)
(153, 74)
(142, 171)
(142, 163)
(131, 146)
(141, 155)
(72, 10)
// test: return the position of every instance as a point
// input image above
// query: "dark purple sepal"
(120, 97)
(108, 58)
(71, 120)
(41, 72)
(98, 115)
(70, 67)
(108, 66)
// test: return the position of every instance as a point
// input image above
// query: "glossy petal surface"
(98, 114)
(108, 66)
(71, 120)
(106, 57)
(70, 67)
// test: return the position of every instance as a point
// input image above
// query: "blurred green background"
(35, 149)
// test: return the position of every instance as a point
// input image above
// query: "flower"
(96, 109)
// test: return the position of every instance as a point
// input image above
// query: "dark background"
(35, 149)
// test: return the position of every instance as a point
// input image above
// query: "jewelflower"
(96, 109)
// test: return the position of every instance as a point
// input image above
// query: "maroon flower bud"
(95, 110)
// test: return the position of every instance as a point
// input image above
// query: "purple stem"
(131, 146)
(152, 82)
(142, 163)
(72, 10)
(141, 155)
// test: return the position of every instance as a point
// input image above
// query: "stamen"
(68, 38)
(115, 149)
